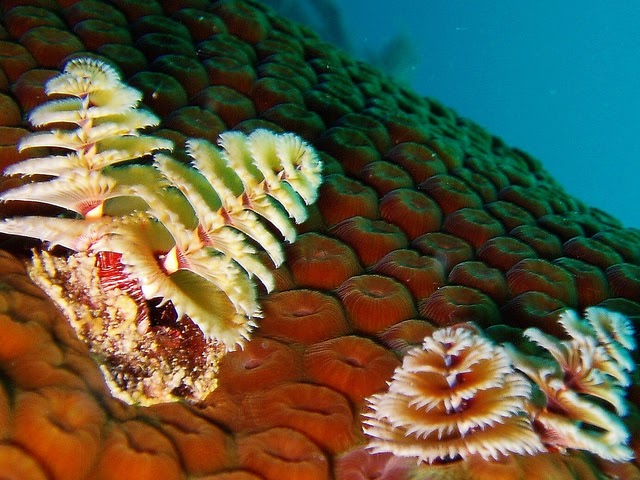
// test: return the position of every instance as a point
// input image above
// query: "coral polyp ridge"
(175, 239)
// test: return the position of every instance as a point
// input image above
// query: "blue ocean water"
(559, 80)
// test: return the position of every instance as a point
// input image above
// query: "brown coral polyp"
(509, 214)
(21, 19)
(361, 464)
(591, 251)
(261, 364)
(534, 309)
(624, 280)
(542, 276)
(504, 252)
(623, 242)
(187, 70)
(163, 93)
(354, 366)
(474, 225)
(478, 275)
(591, 282)
(420, 274)
(350, 147)
(244, 21)
(447, 249)
(231, 72)
(561, 226)
(269, 92)
(60, 427)
(341, 198)
(407, 334)
(545, 244)
(302, 316)
(375, 302)
(371, 127)
(528, 198)
(282, 453)
(295, 118)
(28, 89)
(317, 261)
(384, 177)
(321, 414)
(371, 239)
(196, 122)
(454, 304)
(50, 46)
(93, 10)
(418, 160)
(450, 193)
(414, 212)
(203, 447)
(200, 23)
(134, 450)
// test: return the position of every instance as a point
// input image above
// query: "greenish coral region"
(376, 312)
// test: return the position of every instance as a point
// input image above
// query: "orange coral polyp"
(422, 275)
(354, 366)
(375, 302)
(204, 447)
(67, 426)
(317, 261)
(261, 364)
(371, 239)
(322, 414)
(134, 449)
(16, 464)
(282, 453)
(302, 316)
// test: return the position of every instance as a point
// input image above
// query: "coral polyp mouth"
(164, 279)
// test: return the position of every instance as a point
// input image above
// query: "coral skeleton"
(160, 247)
(454, 397)
(583, 383)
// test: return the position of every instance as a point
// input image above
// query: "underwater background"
(560, 80)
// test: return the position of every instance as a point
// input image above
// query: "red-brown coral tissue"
(461, 226)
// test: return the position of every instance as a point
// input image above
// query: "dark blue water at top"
(560, 80)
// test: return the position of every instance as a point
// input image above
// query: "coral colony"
(162, 282)
(161, 285)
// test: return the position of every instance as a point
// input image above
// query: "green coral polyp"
(187, 235)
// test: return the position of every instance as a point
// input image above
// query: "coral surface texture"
(440, 308)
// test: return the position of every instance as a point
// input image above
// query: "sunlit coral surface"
(424, 220)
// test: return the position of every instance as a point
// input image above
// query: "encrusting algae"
(162, 284)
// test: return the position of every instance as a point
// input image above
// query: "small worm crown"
(583, 383)
(188, 234)
(460, 395)
(455, 396)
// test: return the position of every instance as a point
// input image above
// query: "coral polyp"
(167, 253)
